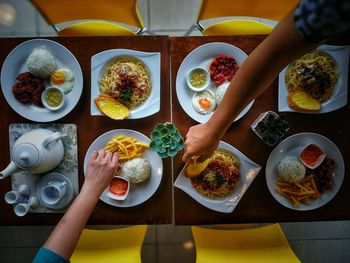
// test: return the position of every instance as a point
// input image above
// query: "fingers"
(115, 158)
(108, 156)
(94, 155)
(101, 154)
(188, 154)
(204, 156)
(186, 157)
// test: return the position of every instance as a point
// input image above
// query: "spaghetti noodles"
(315, 73)
(127, 80)
(220, 177)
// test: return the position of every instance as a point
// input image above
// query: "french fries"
(126, 147)
(303, 192)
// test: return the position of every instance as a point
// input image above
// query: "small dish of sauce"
(312, 156)
(118, 189)
(198, 79)
(52, 98)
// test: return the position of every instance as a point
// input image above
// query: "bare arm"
(257, 72)
(66, 234)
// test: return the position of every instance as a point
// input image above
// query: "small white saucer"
(50, 177)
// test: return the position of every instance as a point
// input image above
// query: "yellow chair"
(114, 245)
(241, 17)
(261, 244)
(91, 18)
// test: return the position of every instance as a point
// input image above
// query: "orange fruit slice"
(194, 168)
(111, 107)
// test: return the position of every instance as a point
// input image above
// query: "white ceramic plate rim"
(248, 170)
(292, 146)
(138, 193)
(150, 59)
(340, 94)
(15, 63)
(202, 57)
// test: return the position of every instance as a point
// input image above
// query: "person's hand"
(100, 171)
(200, 142)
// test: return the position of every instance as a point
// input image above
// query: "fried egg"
(63, 79)
(204, 102)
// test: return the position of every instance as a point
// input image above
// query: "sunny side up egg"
(63, 79)
(204, 102)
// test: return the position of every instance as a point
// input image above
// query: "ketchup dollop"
(118, 186)
(312, 155)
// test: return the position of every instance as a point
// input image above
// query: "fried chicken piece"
(29, 89)
(25, 77)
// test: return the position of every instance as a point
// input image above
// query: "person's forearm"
(258, 71)
(66, 234)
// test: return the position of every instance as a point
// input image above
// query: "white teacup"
(54, 192)
(22, 209)
(13, 197)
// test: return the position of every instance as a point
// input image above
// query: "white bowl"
(317, 161)
(207, 79)
(44, 99)
(114, 195)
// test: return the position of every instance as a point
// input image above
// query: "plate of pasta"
(142, 167)
(130, 77)
(315, 83)
(223, 182)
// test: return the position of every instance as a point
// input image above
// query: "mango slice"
(194, 168)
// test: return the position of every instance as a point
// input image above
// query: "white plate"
(152, 62)
(340, 92)
(44, 182)
(202, 56)
(15, 63)
(138, 193)
(292, 146)
(248, 170)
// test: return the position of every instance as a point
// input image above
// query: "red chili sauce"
(311, 154)
(118, 187)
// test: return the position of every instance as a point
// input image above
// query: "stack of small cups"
(21, 200)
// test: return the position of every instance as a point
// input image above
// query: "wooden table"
(258, 205)
(156, 210)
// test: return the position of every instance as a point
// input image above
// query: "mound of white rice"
(136, 170)
(41, 63)
(291, 169)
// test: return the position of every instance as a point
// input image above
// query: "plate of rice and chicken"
(221, 181)
(305, 171)
(32, 67)
(140, 166)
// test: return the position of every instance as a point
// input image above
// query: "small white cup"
(53, 192)
(13, 197)
(22, 209)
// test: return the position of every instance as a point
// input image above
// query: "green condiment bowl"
(53, 98)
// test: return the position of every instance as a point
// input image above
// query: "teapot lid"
(25, 155)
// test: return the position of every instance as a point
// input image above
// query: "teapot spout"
(10, 169)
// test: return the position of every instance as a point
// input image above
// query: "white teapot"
(37, 151)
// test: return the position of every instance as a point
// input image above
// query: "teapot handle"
(54, 137)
